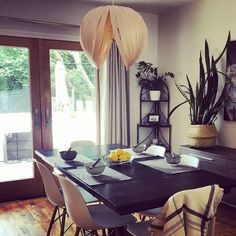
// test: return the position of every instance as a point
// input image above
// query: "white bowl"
(97, 169)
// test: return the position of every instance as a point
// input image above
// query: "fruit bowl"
(118, 156)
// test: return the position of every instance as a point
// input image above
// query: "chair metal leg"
(63, 220)
(52, 220)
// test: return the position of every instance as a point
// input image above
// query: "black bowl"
(68, 155)
(172, 159)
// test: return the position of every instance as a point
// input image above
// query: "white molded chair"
(156, 150)
(186, 160)
(80, 145)
(189, 160)
(91, 217)
(53, 195)
(189, 212)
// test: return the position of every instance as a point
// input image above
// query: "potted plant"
(150, 79)
(205, 100)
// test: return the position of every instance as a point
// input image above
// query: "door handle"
(37, 120)
(47, 118)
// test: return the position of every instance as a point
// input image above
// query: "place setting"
(170, 164)
(97, 172)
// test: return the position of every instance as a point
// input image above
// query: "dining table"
(142, 183)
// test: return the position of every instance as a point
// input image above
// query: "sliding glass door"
(47, 100)
(70, 78)
(20, 128)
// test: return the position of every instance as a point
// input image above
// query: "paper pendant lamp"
(100, 26)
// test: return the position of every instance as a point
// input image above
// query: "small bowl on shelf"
(172, 158)
(68, 156)
(95, 169)
(138, 148)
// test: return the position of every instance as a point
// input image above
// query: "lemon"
(113, 157)
(119, 152)
(124, 157)
(128, 154)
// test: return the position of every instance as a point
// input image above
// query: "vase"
(155, 95)
(202, 136)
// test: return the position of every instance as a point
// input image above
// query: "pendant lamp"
(102, 25)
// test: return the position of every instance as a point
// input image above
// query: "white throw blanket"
(188, 213)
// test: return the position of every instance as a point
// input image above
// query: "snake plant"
(206, 99)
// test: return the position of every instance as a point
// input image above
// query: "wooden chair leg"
(63, 221)
(95, 233)
(77, 231)
(52, 220)
(143, 218)
(121, 231)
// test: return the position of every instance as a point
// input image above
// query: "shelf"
(154, 101)
(154, 125)
(160, 129)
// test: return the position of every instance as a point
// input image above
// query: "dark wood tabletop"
(148, 187)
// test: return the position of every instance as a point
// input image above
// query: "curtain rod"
(40, 22)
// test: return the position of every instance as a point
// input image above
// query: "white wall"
(181, 37)
(149, 55)
(66, 15)
(71, 12)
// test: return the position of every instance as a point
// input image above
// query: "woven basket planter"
(202, 136)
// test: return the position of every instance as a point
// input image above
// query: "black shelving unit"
(162, 128)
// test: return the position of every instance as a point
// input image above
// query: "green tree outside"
(14, 71)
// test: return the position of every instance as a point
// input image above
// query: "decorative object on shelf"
(205, 100)
(230, 107)
(155, 95)
(155, 141)
(150, 79)
(101, 25)
(153, 118)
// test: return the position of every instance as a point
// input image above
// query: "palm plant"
(206, 100)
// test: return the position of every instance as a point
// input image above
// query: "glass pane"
(73, 98)
(15, 115)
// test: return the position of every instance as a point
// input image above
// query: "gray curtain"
(115, 111)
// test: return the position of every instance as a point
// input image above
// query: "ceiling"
(151, 6)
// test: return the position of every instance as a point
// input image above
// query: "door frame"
(40, 91)
(26, 188)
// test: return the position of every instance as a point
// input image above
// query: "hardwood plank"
(31, 218)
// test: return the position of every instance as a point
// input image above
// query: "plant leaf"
(207, 59)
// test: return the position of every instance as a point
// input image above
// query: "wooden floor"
(31, 217)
